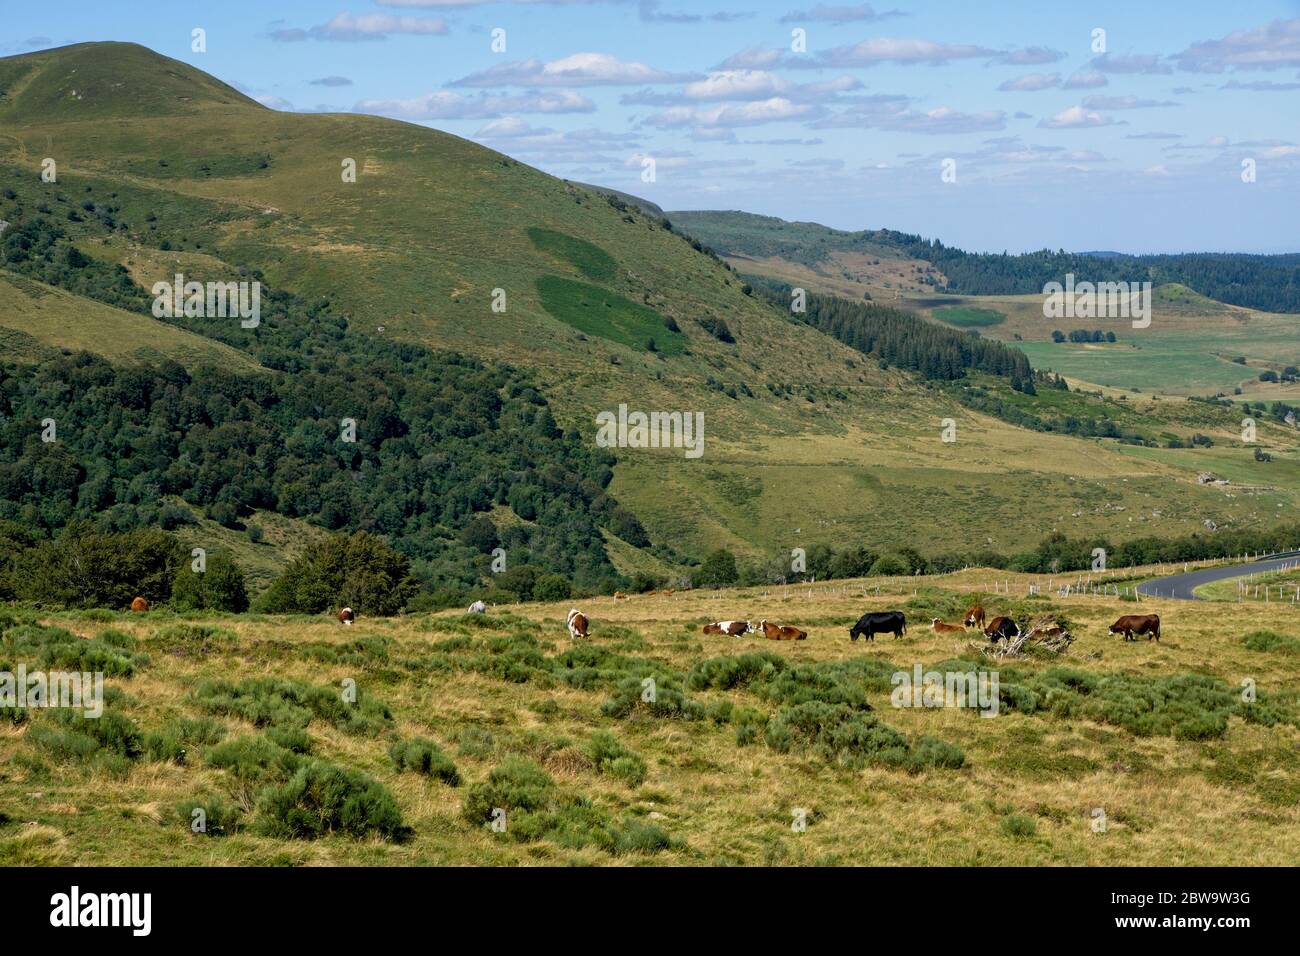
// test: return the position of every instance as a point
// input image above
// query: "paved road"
(1181, 586)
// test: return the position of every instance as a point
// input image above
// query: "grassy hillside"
(712, 772)
(806, 439)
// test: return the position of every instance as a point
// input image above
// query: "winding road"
(1182, 586)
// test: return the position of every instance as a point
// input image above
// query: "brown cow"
(975, 617)
(782, 632)
(577, 624)
(620, 596)
(733, 628)
(346, 616)
(941, 628)
(139, 604)
(1130, 624)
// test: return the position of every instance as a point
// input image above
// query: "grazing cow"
(620, 596)
(139, 604)
(782, 632)
(975, 617)
(733, 628)
(1002, 628)
(1130, 624)
(346, 615)
(577, 624)
(939, 627)
(879, 622)
(478, 607)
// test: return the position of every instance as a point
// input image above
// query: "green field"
(966, 317)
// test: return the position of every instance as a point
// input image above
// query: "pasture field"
(742, 733)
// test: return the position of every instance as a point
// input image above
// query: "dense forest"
(903, 339)
(1270, 283)
(347, 431)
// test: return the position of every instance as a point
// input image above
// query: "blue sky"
(1053, 144)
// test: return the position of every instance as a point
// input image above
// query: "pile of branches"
(1045, 632)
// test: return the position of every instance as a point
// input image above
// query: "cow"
(577, 624)
(939, 627)
(139, 605)
(879, 622)
(1130, 624)
(1002, 628)
(975, 617)
(620, 596)
(478, 607)
(782, 632)
(346, 616)
(733, 628)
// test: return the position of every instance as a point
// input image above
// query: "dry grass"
(1166, 802)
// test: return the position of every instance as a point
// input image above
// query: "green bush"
(610, 757)
(1019, 826)
(358, 571)
(322, 798)
(220, 587)
(424, 756)
(515, 784)
(279, 701)
(219, 817)
(254, 759)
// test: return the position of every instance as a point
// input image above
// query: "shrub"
(552, 587)
(322, 798)
(424, 756)
(279, 701)
(515, 784)
(209, 815)
(610, 757)
(254, 759)
(1018, 825)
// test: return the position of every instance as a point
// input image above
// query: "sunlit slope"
(806, 440)
(36, 318)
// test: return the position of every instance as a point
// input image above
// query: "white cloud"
(345, 27)
(579, 69)
(1271, 47)
(1031, 82)
(446, 105)
(1076, 117)
(1085, 80)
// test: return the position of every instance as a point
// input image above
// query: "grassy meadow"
(506, 709)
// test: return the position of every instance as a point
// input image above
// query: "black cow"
(879, 622)
(1002, 629)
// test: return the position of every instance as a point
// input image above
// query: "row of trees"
(1271, 283)
(903, 339)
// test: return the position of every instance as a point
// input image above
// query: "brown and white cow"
(1130, 624)
(577, 624)
(975, 617)
(346, 616)
(782, 632)
(733, 628)
(939, 627)
(139, 604)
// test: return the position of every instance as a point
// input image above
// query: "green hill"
(372, 285)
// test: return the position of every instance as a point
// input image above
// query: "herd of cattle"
(1000, 628)
(868, 626)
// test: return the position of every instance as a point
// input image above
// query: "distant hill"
(1269, 283)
